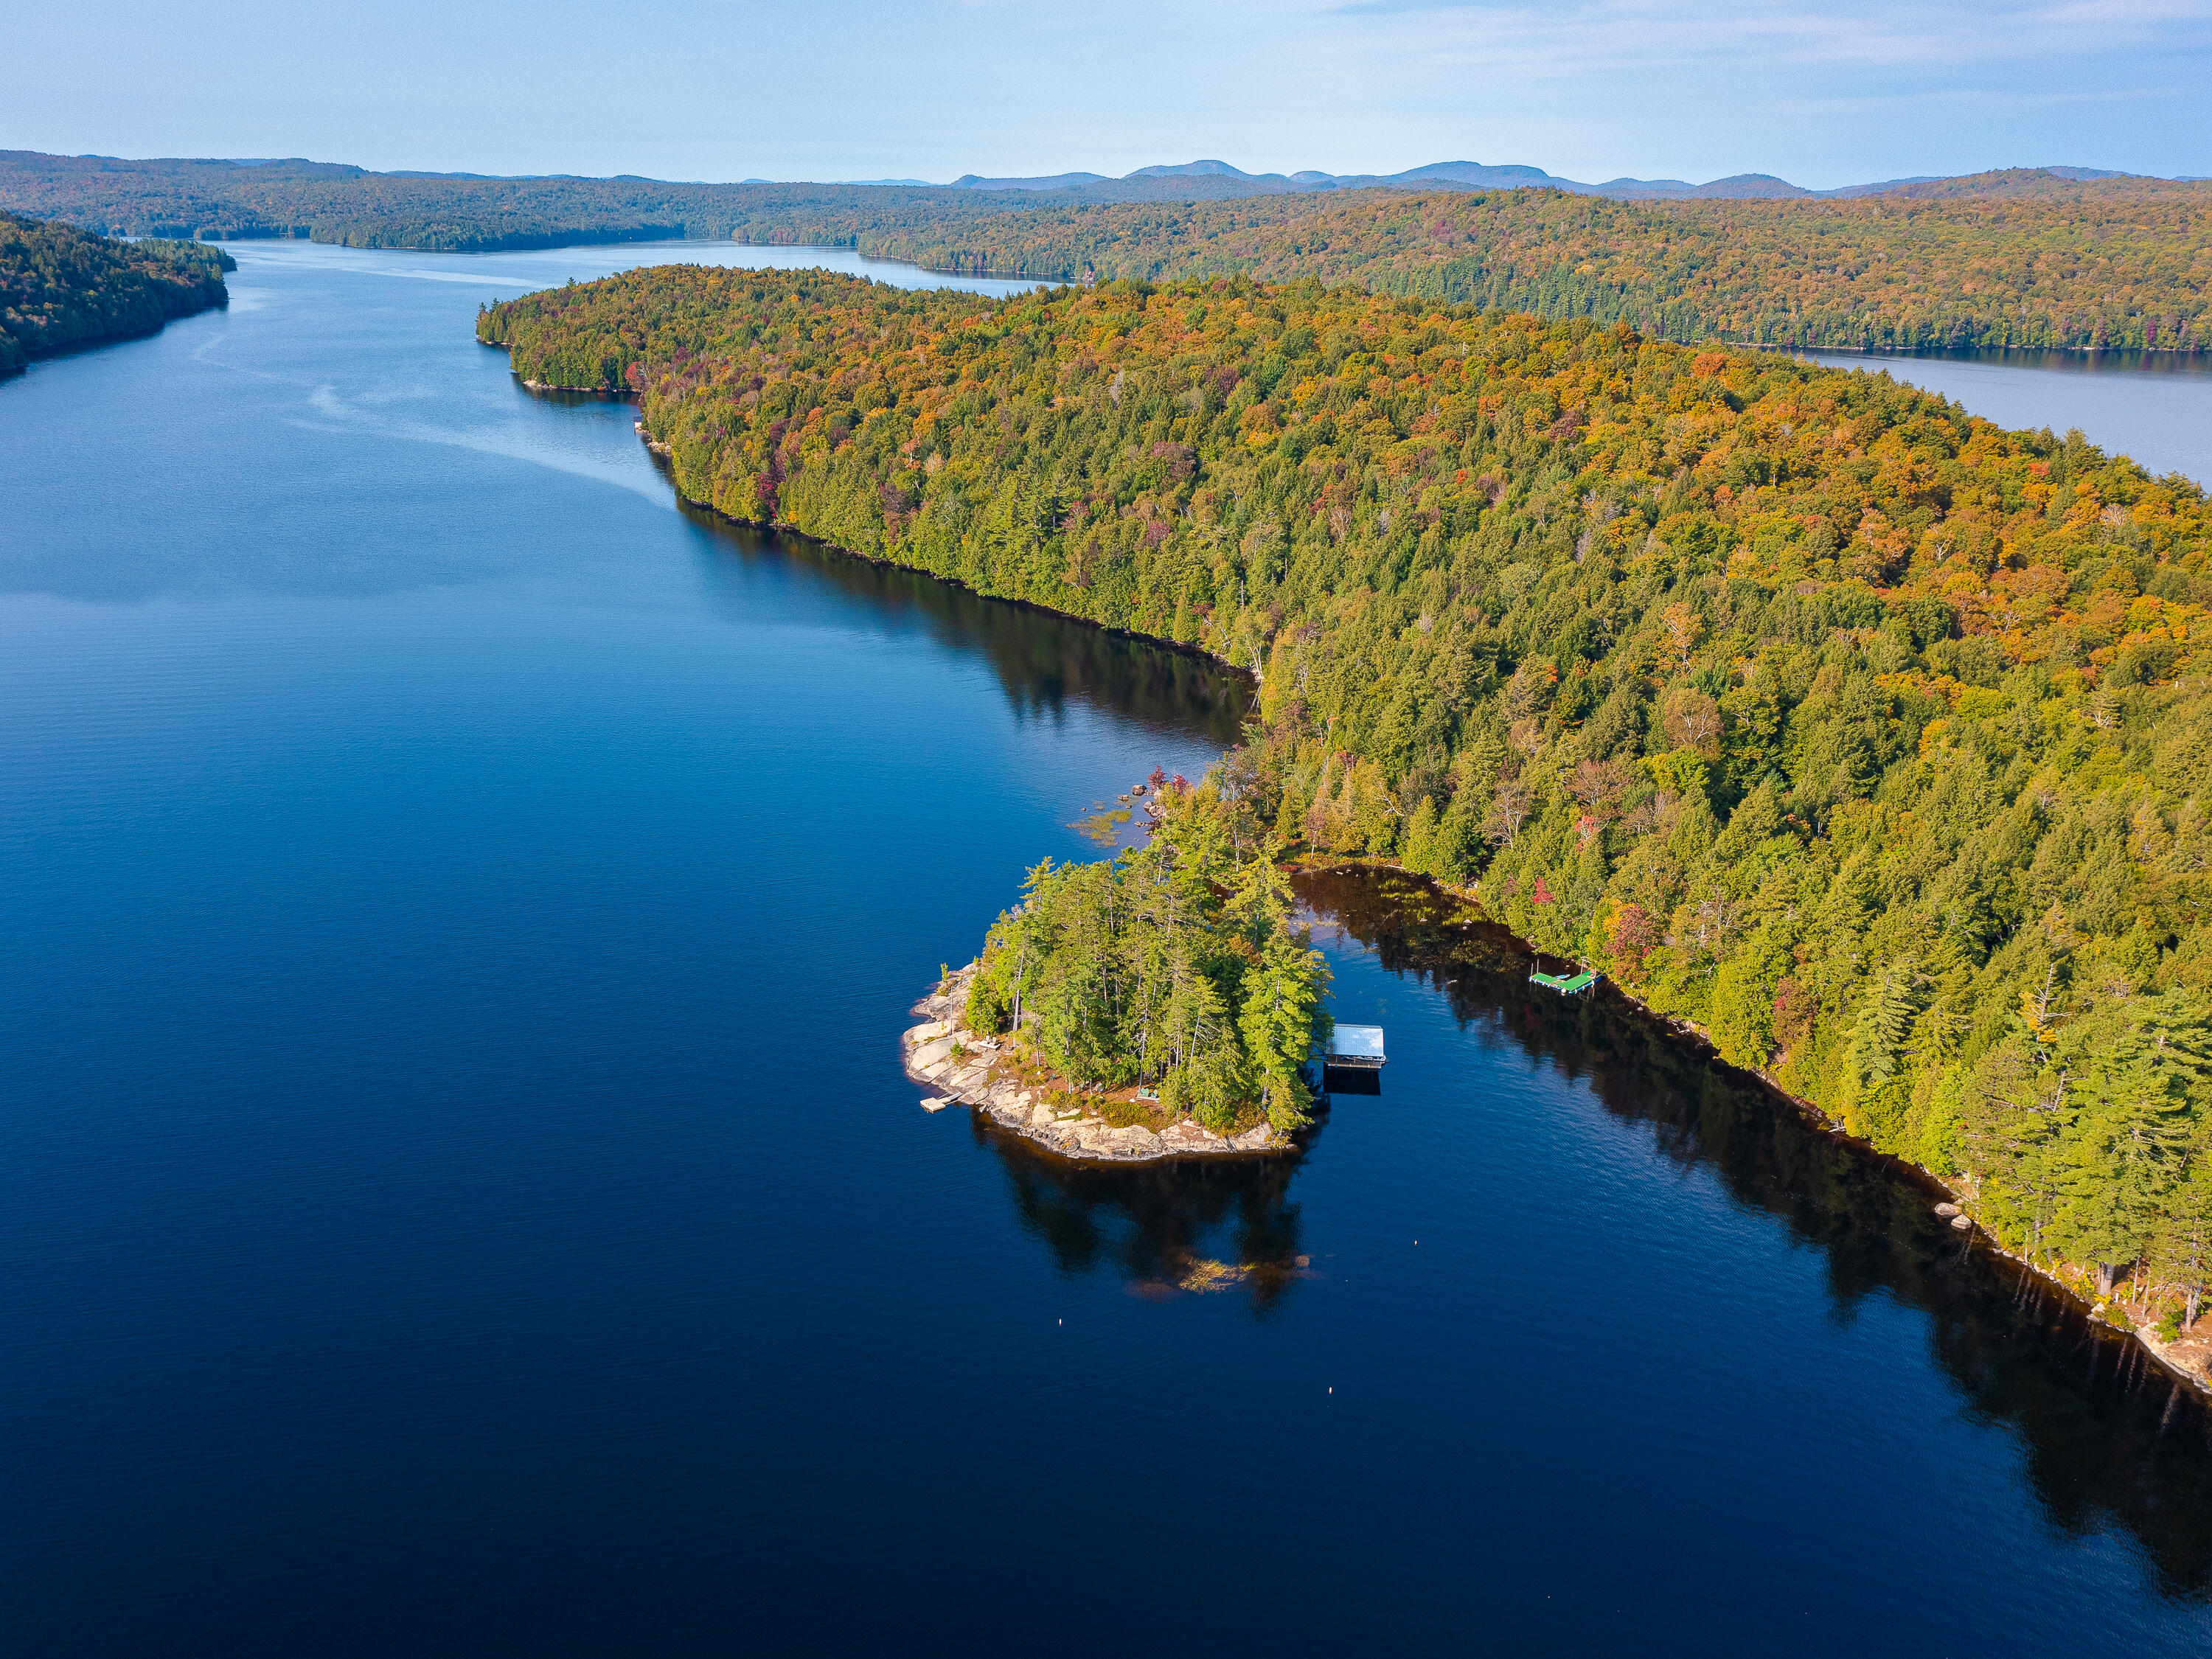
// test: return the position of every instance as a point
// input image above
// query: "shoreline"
(1059, 1137)
(2188, 1359)
(661, 453)
(1970, 354)
(100, 342)
(970, 1070)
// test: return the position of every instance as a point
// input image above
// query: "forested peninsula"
(1870, 737)
(60, 287)
(2030, 257)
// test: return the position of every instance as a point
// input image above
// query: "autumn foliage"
(1870, 735)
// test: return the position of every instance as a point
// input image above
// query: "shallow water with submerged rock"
(463, 1193)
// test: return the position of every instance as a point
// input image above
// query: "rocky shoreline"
(973, 1070)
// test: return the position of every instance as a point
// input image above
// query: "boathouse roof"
(1357, 1042)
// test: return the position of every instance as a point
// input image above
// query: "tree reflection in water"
(2111, 1438)
(1043, 660)
(1167, 1229)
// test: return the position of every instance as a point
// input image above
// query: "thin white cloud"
(1986, 99)
(932, 88)
(1574, 41)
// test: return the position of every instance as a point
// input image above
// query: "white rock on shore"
(969, 1077)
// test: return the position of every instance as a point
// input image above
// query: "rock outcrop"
(970, 1069)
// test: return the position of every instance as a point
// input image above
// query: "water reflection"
(2064, 362)
(1167, 1229)
(1043, 660)
(2109, 1438)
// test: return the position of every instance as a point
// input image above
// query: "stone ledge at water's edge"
(965, 1068)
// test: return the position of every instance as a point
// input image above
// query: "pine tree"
(1877, 1054)
(2182, 1249)
(2141, 1067)
(1421, 854)
(1278, 1021)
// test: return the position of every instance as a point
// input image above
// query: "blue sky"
(1828, 91)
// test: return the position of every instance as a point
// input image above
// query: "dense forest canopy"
(2028, 258)
(61, 287)
(1873, 737)
(2005, 260)
(349, 206)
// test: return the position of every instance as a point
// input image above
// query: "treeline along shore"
(2011, 260)
(1871, 738)
(2022, 257)
(62, 288)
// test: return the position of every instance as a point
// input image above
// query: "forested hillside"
(354, 207)
(1872, 738)
(2026, 258)
(2003, 260)
(60, 287)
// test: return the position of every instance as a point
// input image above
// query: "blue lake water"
(2155, 406)
(461, 1195)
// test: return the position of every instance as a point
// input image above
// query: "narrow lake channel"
(461, 1195)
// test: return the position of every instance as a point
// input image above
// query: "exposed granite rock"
(962, 1066)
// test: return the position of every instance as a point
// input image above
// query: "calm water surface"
(2155, 406)
(461, 1196)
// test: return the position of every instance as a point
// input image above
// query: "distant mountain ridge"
(1214, 178)
(1049, 181)
(1165, 217)
(1201, 180)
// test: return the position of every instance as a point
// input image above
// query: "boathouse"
(1357, 1046)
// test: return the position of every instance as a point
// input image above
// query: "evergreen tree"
(2183, 1244)
(1421, 853)
(2142, 1069)
(1281, 1021)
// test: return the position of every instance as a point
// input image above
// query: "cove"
(462, 1195)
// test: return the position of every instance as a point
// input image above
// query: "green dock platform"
(1569, 985)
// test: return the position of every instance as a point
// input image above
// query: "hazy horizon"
(1846, 91)
(915, 182)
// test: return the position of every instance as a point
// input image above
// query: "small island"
(1160, 1003)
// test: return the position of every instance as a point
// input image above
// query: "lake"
(462, 1195)
(2154, 405)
